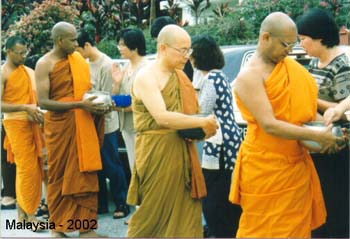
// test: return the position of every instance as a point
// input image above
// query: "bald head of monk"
(64, 36)
(174, 46)
(278, 35)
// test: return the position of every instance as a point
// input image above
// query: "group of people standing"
(279, 188)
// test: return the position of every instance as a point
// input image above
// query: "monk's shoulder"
(46, 62)
(249, 73)
(5, 72)
(29, 70)
(145, 74)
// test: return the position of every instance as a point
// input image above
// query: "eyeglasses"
(286, 45)
(21, 53)
(182, 51)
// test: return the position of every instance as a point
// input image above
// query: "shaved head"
(61, 29)
(171, 34)
(278, 23)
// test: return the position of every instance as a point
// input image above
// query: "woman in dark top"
(319, 35)
(219, 153)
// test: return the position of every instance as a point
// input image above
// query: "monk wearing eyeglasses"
(167, 180)
(275, 180)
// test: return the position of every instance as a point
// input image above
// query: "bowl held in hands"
(102, 97)
(314, 146)
(122, 100)
(193, 133)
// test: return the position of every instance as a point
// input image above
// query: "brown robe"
(162, 177)
(72, 192)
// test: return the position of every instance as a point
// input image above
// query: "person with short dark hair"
(132, 46)
(218, 157)
(319, 36)
(275, 180)
(101, 79)
(157, 26)
(159, 23)
(22, 120)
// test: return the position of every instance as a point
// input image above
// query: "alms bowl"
(314, 146)
(102, 97)
(193, 133)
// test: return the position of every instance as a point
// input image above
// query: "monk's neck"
(59, 54)
(11, 66)
(163, 67)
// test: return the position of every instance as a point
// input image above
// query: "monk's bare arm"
(33, 112)
(146, 88)
(259, 105)
(42, 72)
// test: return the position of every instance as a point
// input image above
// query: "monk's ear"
(265, 36)
(161, 47)
(87, 45)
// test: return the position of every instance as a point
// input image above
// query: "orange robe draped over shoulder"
(24, 140)
(275, 181)
(73, 148)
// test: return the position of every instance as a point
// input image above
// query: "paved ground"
(107, 226)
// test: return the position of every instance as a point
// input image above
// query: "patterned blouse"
(216, 97)
(334, 79)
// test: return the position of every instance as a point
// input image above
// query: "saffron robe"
(24, 140)
(161, 179)
(275, 181)
(72, 181)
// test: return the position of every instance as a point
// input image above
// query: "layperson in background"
(63, 77)
(132, 46)
(22, 121)
(319, 36)
(167, 180)
(336, 113)
(275, 180)
(220, 152)
(112, 166)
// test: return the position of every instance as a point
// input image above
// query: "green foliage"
(109, 47)
(256, 10)
(12, 10)
(227, 30)
(340, 9)
(36, 27)
(151, 44)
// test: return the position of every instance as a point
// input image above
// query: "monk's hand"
(210, 126)
(329, 142)
(95, 108)
(34, 114)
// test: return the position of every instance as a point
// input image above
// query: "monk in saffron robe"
(63, 77)
(167, 181)
(275, 181)
(24, 140)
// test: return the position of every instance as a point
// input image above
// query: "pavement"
(107, 226)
